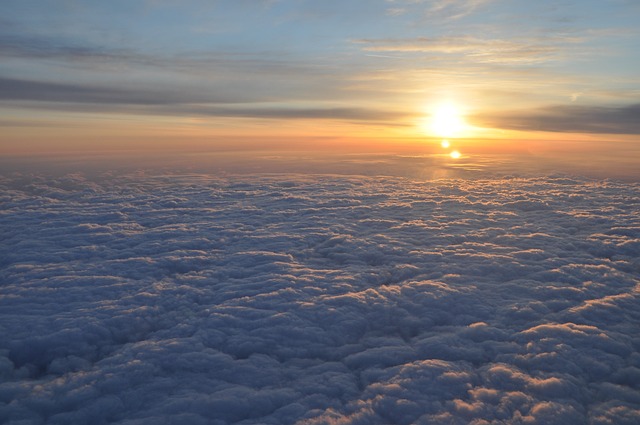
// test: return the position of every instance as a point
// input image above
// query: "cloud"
(48, 95)
(138, 298)
(84, 55)
(396, 11)
(16, 89)
(220, 83)
(278, 112)
(443, 9)
(114, 75)
(475, 49)
(568, 118)
(34, 47)
(455, 9)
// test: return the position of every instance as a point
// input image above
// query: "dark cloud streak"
(357, 114)
(48, 95)
(568, 119)
(191, 62)
(15, 89)
(206, 83)
(38, 48)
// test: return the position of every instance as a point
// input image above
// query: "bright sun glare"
(447, 121)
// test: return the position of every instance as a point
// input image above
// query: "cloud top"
(145, 298)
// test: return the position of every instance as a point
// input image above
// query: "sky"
(89, 76)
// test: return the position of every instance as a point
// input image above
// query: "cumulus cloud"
(138, 299)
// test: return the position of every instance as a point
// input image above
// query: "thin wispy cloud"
(449, 10)
(455, 9)
(481, 50)
(396, 11)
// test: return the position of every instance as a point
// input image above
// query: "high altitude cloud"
(571, 118)
(110, 76)
(481, 50)
(201, 83)
(167, 102)
(140, 299)
(25, 90)
(455, 9)
(448, 9)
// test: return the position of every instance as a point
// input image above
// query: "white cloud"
(196, 299)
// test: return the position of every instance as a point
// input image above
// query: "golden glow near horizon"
(455, 154)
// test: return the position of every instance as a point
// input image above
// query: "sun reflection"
(455, 154)
(445, 143)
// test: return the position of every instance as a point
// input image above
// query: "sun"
(446, 121)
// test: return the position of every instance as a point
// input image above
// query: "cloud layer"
(573, 118)
(76, 97)
(137, 299)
